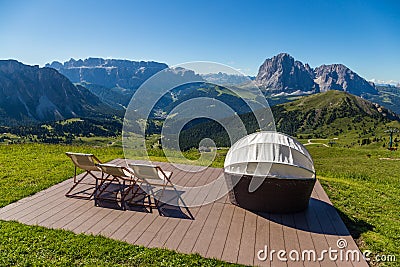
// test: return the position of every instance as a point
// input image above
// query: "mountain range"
(115, 81)
(282, 74)
(30, 94)
(84, 88)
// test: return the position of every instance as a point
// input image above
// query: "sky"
(363, 35)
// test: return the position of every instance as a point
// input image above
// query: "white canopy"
(269, 154)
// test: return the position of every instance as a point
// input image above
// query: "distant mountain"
(109, 73)
(30, 94)
(323, 115)
(388, 96)
(114, 81)
(226, 79)
(339, 77)
(282, 74)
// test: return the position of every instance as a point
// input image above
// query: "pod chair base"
(274, 195)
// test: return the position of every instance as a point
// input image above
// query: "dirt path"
(310, 143)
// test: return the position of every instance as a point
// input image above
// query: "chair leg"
(76, 183)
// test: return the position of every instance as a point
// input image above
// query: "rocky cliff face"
(115, 81)
(339, 77)
(33, 94)
(108, 72)
(282, 74)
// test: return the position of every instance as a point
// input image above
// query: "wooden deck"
(218, 229)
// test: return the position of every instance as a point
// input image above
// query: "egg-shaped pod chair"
(269, 172)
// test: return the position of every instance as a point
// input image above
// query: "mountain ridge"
(329, 114)
(115, 81)
(30, 94)
(283, 74)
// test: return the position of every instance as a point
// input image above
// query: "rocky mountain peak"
(283, 74)
(339, 77)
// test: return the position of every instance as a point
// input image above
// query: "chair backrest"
(86, 162)
(146, 172)
(115, 170)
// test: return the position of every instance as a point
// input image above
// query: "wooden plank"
(276, 238)
(42, 218)
(215, 191)
(171, 224)
(118, 224)
(18, 204)
(232, 244)
(188, 241)
(305, 239)
(30, 203)
(291, 241)
(123, 230)
(162, 227)
(70, 218)
(139, 228)
(164, 233)
(179, 232)
(318, 232)
(151, 231)
(207, 232)
(330, 218)
(92, 220)
(105, 222)
(262, 240)
(217, 243)
(64, 215)
(248, 240)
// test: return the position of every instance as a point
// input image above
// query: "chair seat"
(88, 163)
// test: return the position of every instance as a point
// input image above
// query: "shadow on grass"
(322, 218)
(355, 226)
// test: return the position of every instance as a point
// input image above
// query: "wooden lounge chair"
(113, 174)
(86, 162)
(154, 181)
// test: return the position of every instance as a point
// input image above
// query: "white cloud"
(391, 82)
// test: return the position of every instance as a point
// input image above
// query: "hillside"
(388, 96)
(331, 114)
(29, 94)
(328, 115)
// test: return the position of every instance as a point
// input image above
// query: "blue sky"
(364, 35)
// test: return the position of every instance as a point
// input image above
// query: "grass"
(364, 189)
(22, 245)
(29, 168)
(366, 192)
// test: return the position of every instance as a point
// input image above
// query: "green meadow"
(363, 184)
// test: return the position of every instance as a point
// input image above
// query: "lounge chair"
(86, 162)
(154, 181)
(113, 174)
